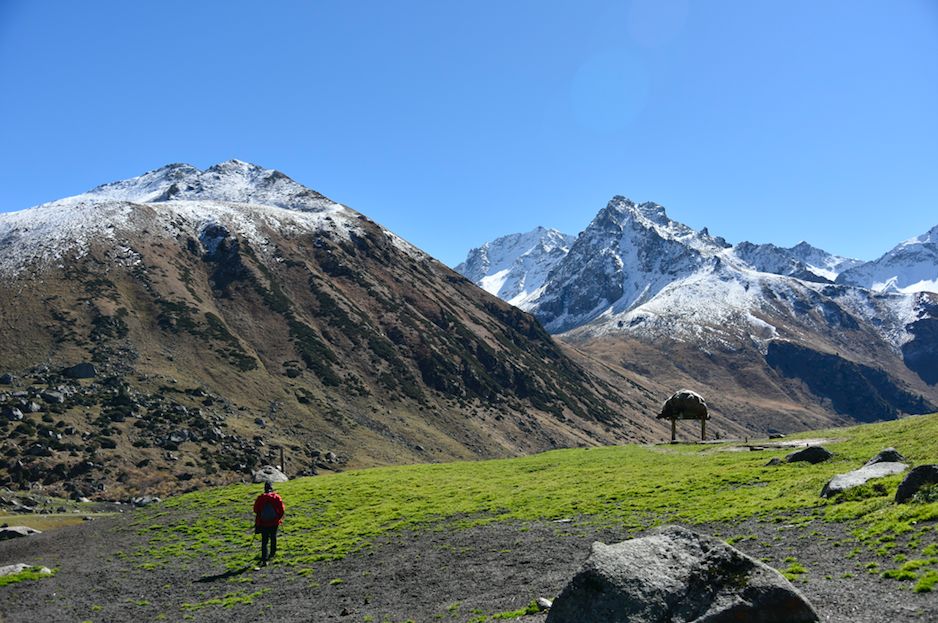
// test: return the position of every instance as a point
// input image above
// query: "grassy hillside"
(634, 486)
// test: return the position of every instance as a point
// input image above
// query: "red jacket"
(276, 502)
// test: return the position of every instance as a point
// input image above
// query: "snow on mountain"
(172, 201)
(911, 266)
(628, 254)
(514, 267)
(801, 261)
(634, 270)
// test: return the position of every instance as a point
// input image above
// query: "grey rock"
(82, 370)
(811, 454)
(21, 567)
(178, 436)
(269, 473)
(889, 455)
(12, 414)
(15, 532)
(544, 604)
(331, 457)
(857, 477)
(774, 461)
(145, 500)
(52, 396)
(260, 421)
(7, 379)
(677, 576)
(32, 407)
(916, 479)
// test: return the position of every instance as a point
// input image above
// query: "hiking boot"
(263, 563)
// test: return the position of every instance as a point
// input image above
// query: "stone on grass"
(15, 532)
(145, 500)
(842, 482)
(889, 455)
(811, 454)
(677, 576)
(544, 604)
(774, 461)
(21, 567)
(269, 473)
(916, 479)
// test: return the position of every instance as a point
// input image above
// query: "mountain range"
(785, 336)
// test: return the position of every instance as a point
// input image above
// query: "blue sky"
(453, 123)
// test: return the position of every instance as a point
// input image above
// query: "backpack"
(268, 512)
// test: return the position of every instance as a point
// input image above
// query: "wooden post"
(703, 429)
(673, 430)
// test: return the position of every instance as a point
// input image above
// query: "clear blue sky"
(454, 122)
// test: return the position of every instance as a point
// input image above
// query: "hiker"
(268, 515)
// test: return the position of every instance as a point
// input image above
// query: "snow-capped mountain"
(306, 323)
(802, 261)
(911, 266)
(635, 274)
(514, 267)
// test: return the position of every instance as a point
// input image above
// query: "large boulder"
(915, 480)
(857, 477)
(889, 455)
(82, 370)
(811, 454)
(15, 532)
(675, 576)
(269, 473)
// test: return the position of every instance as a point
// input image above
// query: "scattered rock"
(52, 396)
(889, 455)
(12, 414)
(811, 454)
(145, 500)
(544, 604)
(269, 473)
(857, 477)
(20, 567)
(15, 532)
(774, 461)
(260, 421)
(331, 457)
(776, 435)
(7, 379)
(676, 576)
(82, 370)
(915, 480)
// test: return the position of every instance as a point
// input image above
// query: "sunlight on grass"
(329, 517)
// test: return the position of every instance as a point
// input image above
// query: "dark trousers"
(268, 535)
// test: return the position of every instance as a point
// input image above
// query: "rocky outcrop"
(269, 473)
(811, 454)
(674, 576)
(888, 455)
(918, 478)
(21, 567)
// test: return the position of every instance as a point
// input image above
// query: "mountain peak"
(232, 181)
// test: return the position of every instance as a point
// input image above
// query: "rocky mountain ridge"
(635, 274)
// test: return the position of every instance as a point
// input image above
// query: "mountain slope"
(657, 298)
(231, 311)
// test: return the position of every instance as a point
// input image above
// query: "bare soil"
(440, 574)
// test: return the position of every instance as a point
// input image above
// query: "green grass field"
(633, 486)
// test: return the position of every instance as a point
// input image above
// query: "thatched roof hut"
(684, 404)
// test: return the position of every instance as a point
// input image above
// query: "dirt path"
(444, 574)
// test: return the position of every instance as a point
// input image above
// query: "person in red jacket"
(268, 515)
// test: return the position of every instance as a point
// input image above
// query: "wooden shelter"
(685, 405)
